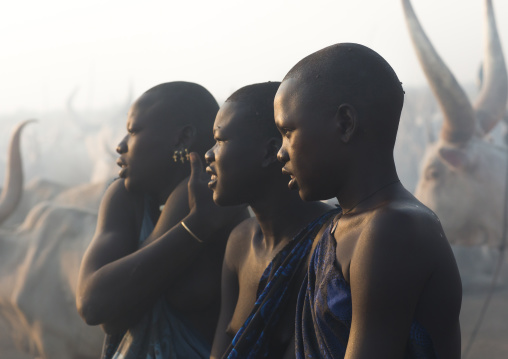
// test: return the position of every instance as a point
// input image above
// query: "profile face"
(308, 143)
(234, 162)
(145, 151)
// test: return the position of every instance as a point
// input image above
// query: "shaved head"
(183, 103)
(356, 75)
(258, 100)
(338, 110)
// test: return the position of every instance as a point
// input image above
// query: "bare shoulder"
(119, 210)
(402, 269)
(408, 222)
(239, 242)
(402, 237)
(116, 197)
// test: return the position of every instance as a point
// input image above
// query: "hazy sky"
(50, 47)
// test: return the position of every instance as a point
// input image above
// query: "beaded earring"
(181, 155)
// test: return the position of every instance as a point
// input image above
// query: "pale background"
(48, 48)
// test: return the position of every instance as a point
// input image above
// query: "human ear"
(346, 119)
(186, 137)
(271, 149)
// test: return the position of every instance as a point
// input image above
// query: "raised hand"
(201, 198)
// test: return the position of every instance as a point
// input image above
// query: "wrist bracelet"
(190, 232)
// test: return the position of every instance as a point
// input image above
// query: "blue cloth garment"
(324, 310)
(161, 333)
(254, 339)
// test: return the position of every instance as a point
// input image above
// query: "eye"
(285, 131)
(432, 173)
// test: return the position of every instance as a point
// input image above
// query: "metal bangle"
(190, 232)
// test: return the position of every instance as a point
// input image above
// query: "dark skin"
(391, 249)
(119, 281)
(244, 169)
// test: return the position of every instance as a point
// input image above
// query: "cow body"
(39, 265)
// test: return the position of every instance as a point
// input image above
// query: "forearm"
(114, 289)
(121, 324)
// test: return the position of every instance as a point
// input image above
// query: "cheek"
(220, 160)
(226, 164)
(301, 155)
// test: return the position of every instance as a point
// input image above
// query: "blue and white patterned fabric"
(255, 337)
(161, 333)
(324, 311)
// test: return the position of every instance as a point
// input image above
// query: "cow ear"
(454, 157)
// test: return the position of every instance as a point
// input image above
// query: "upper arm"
(229, 287)
(175, 209)
(387, 275)
(115, 235)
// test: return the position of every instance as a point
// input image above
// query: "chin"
(307, 197)
(131, 186)
(224, 201)
(219, 200)
(127, 184)
(311, 196)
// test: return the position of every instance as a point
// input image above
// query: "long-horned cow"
(463, 174)
(464, 180)
(39, 264)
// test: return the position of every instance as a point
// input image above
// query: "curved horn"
(459, 120)
(490, 105)
(13, 183)
(78, 120)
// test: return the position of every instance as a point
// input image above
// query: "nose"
(282, 155)
(122, 146)
(210, 155)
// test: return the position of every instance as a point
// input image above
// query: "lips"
(292, 184)
(123, 171)
(213, 177)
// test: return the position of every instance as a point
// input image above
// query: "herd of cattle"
(46, 226)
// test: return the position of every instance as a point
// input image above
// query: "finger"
(196, 166)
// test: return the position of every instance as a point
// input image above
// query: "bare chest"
(249, 277)
(346, 236)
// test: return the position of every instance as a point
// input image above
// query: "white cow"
(463, 179)
(463, 174)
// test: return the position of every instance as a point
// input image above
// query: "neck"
(362, 188)
(281, 214)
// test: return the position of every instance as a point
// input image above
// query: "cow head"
(462, 175)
